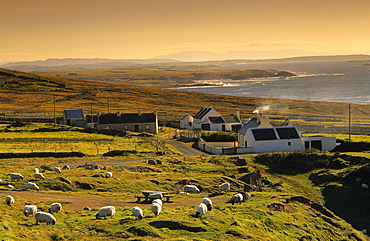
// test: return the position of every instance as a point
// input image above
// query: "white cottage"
(209, 119)
(258, 134)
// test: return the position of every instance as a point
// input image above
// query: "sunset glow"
(41, 29)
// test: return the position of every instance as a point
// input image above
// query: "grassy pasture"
(269, 215)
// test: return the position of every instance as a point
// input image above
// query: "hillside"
(26, 92)
(294, 196)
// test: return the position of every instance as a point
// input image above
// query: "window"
(125, 127)
(147, 127)
(289, 143)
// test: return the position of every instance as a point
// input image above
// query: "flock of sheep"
(110, 211)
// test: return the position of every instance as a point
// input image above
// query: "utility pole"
(349, 122)
(55, 119)
(108, 105)
(91, 109)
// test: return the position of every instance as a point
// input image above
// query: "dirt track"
(78, 203)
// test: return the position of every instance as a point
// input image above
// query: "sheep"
(191, 189)
(237, 198)
(29, 209)
(57, 169)
(156, 208)
(224, 187)
(9, 200)
(208, 203)
(159, 201)
(55, 208)
(184, 193)
(108, 174)
(9, 186)
(363, 185)
(1, 180)
(36, 170)
(33, 186)
(42, 217)
(66, 167)
(246, 196)
(137, 212)
(104, 212)
(201, 210)
(16, 176)
(38, 175)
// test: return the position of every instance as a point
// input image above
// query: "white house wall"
(328, 143)
(278, 146)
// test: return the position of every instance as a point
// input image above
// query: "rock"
(156, 182)
(87, 208)
(241, 162)
(64, 179)
(85, 185)
(152, 162)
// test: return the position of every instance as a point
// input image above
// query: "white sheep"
(363, 185)
(108, 174)
(137, 212)
(208, 203)
(33, 186)
(55, 208)
(36, 170)
(9, 186)
(57, 169)
(184, 193)
(9, 200)
(42, 217)
(159, 201)
(201, 210)
(29, 210)
(237, 198)
(38, 175)
(16, 176)
(156, 209)
(191, 189)
(224, 187)
(104, 212)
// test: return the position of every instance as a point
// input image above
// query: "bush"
(293, 162)
(219, 137)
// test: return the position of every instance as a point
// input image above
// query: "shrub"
(219, 137)
(293, 162)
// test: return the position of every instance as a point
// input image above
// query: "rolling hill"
(26, 92)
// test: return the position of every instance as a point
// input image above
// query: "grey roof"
(287, 132)
(264, 134)
(127, 118)
(231, 119)
(283, 132)
(202, 112)
(73, 113)
(216, 120)
(250, 124)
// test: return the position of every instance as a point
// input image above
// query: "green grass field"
(294, 211)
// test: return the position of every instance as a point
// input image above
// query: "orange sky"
(122, 29)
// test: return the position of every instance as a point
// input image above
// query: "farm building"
(135, 122)
(257, 135)
(73, 118)
(209, 119)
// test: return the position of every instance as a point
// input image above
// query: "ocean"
(332, 81)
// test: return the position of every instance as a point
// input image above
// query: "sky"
(139, 29)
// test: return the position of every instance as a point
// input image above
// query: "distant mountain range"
(229, 55)
(228, 60)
